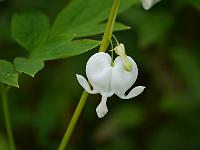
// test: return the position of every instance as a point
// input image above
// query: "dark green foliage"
(163, 41)
(8, 74)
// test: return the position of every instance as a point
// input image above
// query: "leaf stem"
(105, 43)
(73, 121)
(4, 99)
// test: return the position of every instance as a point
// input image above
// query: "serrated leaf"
(8, 74)
(30, 29)
(29, 66)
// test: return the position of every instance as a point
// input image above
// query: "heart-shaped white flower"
(108, 79)
(147, 4)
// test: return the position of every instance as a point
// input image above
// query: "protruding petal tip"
(84, 83)
(133, 93)
(102, 109)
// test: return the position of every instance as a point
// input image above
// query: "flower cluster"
(107, 77)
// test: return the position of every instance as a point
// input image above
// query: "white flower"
(147, 4)
(108, 79)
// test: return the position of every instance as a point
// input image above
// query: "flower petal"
(147, 4)
(102, 109)
(98, 71)
(133, 93)
(121, 79)
(83, 82)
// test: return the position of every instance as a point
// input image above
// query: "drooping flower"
(147, 4)
(108, 78)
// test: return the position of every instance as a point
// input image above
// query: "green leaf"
(78, 19)
(61, 48)
(30, 29)
(80, 15)
(29, 66)
(8, 74)
(94, 30)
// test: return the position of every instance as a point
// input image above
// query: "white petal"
(83, 82)
(98, 71)
(102, 107)
(121, 79)
(133, 93)
(147, 4)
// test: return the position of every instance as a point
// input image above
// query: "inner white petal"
(102, 109)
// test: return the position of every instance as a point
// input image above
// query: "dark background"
(164, 42)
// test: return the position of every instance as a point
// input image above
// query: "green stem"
(4, 99)
(73, 121)
(110, 26)
(105, 42)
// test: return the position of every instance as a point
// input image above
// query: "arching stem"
(110, 26)
(4, 99)
(104, 45)
(73, 121)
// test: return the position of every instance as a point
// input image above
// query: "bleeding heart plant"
(66, 38)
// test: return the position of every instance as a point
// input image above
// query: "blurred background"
(164, 42)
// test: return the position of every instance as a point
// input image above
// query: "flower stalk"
(105, 43)
(4, 98)
(110, 26)
(73, 121)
